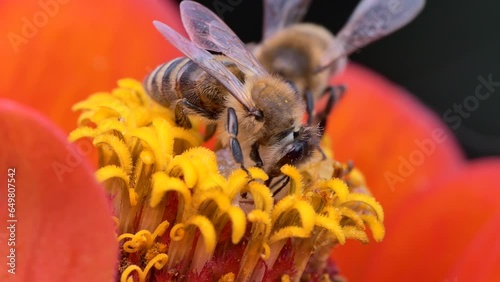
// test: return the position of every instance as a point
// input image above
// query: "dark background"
(438, 57)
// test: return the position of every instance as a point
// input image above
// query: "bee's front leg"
(234, 144)
(255, 156)
(308, 97)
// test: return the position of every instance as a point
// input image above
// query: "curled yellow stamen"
(206, 229)
(158, 262)
(352, 232)
(142, 239)
(81, 132)
(103, 100)
(267, 251)
(112, 171)
(181, 166)
(119, 148)
(339, 187)
(296, 185)
(377, 228)
(370, 201)
(163, 183)
(148, 136)
(238, 220)
(263, 198)
(332, 226)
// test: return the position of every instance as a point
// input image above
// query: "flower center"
(180, 217)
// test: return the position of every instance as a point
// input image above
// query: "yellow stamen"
(158, 262)
(119, 148)
(296, 185)
(148, 136)
(112, 171)
(262, 196)
(81, 132)
(376, 226)
(162, 183)
(204, 226)
(352, 215)
(371, 202)
(352, 232)
(332, 226)
(154, 171)
(339, 187)
(142, 239)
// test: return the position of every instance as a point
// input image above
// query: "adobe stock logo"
(453, 117)
(30, 25)
(409, 163)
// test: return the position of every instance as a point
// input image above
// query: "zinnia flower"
(177, 211)
(440, 212)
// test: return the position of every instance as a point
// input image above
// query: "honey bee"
(308, 54)
(261, 114)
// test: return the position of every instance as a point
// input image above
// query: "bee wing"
(207, 62)
(279, 14)
(370, 21)
(208, 31)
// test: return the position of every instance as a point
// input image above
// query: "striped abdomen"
(181, 78)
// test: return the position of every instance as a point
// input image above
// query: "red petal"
(64, 228)
(433, 231)
(81, 48)
(393, 139)
(481, 260)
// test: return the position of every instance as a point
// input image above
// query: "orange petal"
(481, 260)
(433, 231)
(401, 147)
(58, 52)
(64, 228)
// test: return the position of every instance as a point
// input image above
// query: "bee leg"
(335, 93)
(349, 168)
(210, 130)
(309, 106)
(255, 156)
(234, 144)
(181, 117)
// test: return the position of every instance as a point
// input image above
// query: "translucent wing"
(208, 31)
(207, 62)
(279, 14)
(371, 20)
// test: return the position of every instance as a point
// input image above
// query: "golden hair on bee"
(258, 114)
(307, 54)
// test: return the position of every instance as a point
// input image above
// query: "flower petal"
(434, 230)
(481, 260)
(60, 51)
(398, 144)
(401, 147)
(64, 228)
